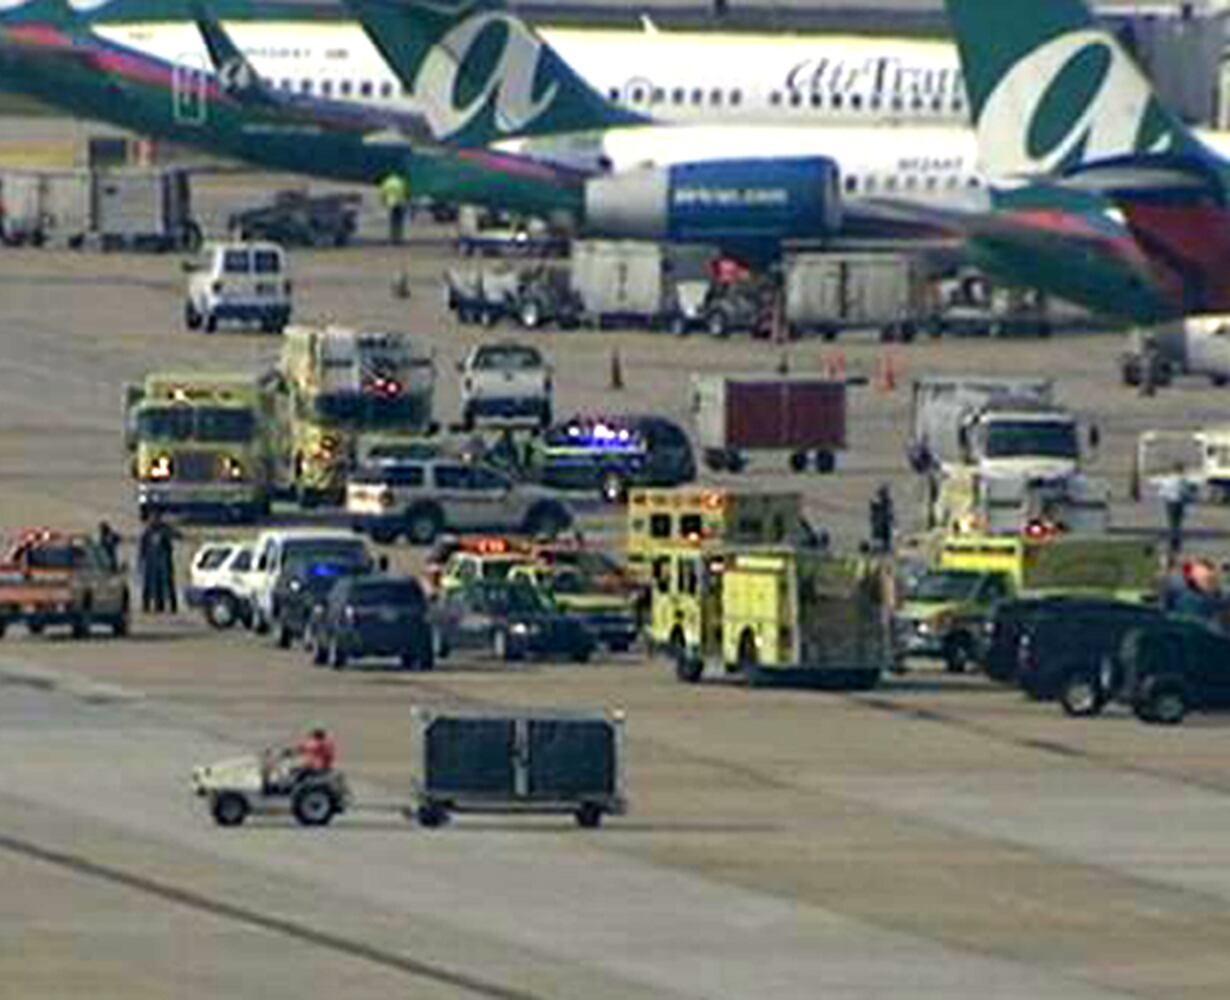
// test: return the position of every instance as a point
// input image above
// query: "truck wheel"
(211, 323)
(467, 419)
(1162, 702)
(423, 526)
(192, 318)
(33, 627)
(798, 461)
(826, 463)
(285, 637)
(431, 815)
(958, 652)
(229, 809)
(1081, 694)
(589, 816)
(715, 459)
(314, 805)
(337, 656)
(221, 610)
(81, 625)
(4, 627)
(121, 624)
(736, 461)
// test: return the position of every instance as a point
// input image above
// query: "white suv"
(220, 582)
(246, 282)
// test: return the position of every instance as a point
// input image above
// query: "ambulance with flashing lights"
(482, 559)
(945, 612)
(676, 541)
(206, 444)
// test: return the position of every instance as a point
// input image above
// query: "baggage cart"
(517, 761)
(801, 415)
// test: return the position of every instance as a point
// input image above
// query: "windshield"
(1031, 438)
(507, 358)
(362, 410)
(307, 553)
(946, 585)
(519, 599)
(185, 423)
(399, 593)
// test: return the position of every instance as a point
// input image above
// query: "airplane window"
(715, 97)
(837, 100)
(953, 181)
(736, 98)
(856, 102)
(795, 99)
(305, 86)
(638, 95)
(958, 104)
(386, 89)
(659, 95)
(344, 88)
(932, 181)
(775, 98)
(851, 184)
(817, 101)
(973, 182)
(937, 105)
(365, 88)
(910, 182)
(677, 95)
(916, 103)
(326, 87)
(890, 183)
(869, 184)
(875, 103)
(896, 103)
(613, 94)
(698, 96)
(286, 85)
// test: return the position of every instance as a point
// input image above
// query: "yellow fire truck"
(344, 384)
(205, 445)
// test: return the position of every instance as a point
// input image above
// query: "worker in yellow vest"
(395, 196)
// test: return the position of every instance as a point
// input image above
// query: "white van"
(241, 282)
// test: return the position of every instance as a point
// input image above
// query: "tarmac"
(938, 837)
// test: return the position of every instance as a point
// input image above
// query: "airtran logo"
(510, 84)
(1076, 99)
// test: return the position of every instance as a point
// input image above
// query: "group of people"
(155, 562)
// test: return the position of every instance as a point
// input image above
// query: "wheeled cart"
(517, 761)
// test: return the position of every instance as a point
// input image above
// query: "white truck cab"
(278, 550)
(241, 282)
(506, 383)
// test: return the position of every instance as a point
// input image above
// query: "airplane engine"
(715, 202)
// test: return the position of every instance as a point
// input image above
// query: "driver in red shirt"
(317, 752)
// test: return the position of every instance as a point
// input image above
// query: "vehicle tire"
(736, 461)
(826, 463)
(1163, 702)
(286, 638)
(192, 318)
(582, 654)
(958, 653)
(81, 625)
(425, 657)
(221, 610)
(1080, 694)
(211, 323)
(34, 628)
(337, 657)
(546, 520)
(229, 809)
(613, 489)
(545, 416)
(798, 461)
(314, 805)
(320, 653)
(619, 645)
(589, 816)
(384, 534)
(715, 459)
(423, 525)
(688, 669)
(467, 419)
(121, 624)
(678, 326)
(431, 815)
(1219, 381)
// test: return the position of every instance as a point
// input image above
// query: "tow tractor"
(271, 783)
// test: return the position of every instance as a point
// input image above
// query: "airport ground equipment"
(297, 219)
(345, 385)
(219, 583)
(270, 784)
(206, 445)
(506, 384)
(826, 293)
(123, 209)
(239, 282)
(1197, 345)
(638, 283)
(533, 295)
(50, 578)
(971, 305)
(482, 232)
(518, 761)
(800, 415)
(944, 614)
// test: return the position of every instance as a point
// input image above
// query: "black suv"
(999, 649)
(1068, 649)
(1173, 666)
(611, 454)
(302, 587)
(369, 616)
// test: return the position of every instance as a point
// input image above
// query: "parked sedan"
(510, 621)
(372, 616)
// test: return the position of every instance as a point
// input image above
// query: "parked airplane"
(676, 76)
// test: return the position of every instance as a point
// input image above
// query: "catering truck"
(206, 444)
(345, 385)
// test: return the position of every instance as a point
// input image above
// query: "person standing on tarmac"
(1175, 492)
(109, 541)
(395, 196)
(165, 558)
(147, 565)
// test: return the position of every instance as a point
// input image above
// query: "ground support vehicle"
(533, 295)
(270, 784)
(282, 552)
(509, 621)
(1203, 455)
(372, 616)
(482, 232)
(296, 218)
(206, 445)
(1173, 667)
(611, 617)
(422, 500)
(344, 385)
(805, 417)
(612, 454)
(1010, 501)
(130, 208)
(947, 612)
(219, 583)
(518, 760)
(506, 384)
(807, 618)
(826, 293)
(972, 306)
(50, 578)
(640, 283)
(1196, 345)
(240, 282)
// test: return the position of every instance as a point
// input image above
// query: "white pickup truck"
(505, 384)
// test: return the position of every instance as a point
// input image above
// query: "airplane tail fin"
(235, 74)
(480, 73)
(1052, 90)
(54, 13)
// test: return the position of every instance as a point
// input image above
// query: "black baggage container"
(517, 761)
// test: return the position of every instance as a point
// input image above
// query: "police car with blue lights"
(612, 454)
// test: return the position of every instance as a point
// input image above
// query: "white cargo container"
(826, 293)
(42, 206)
(636, 281)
